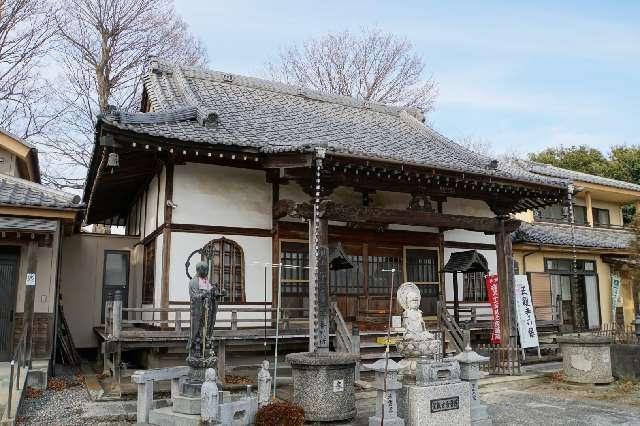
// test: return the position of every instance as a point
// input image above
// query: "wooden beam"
(166, 236)
(39, 212)
(352, 214)
(288, 160)
(29, 298)
(588, 207)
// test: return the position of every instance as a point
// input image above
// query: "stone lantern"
(386, 402)
(470, 361)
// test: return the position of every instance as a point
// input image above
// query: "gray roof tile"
(24, 224)
(585, 236)
(20, 192)
(273, 117)
(557, 172)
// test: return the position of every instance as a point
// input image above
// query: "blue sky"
(520, 76)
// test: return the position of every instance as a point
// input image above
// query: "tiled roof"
(20, 192)
(208, 107)
(557, 172)
(24, 224)
(585, 236)
(466, 261)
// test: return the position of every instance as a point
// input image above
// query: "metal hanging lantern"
(113, 161)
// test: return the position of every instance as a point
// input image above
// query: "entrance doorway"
(8, 288)
(579, 305)
(115, 277)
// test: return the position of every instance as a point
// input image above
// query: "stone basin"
(586, 358)
(323, 385)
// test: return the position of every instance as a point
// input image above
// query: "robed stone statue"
(204, 307)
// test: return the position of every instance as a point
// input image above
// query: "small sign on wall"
(31, 279)
(396, 321)
(338, 385)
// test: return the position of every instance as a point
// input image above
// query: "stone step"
(167, 417)
(186, 404)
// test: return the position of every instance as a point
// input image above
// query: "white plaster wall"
(157, 278)
(47, 260)
(221, 196)
(150, 207)
(81, 280)
(257, 252)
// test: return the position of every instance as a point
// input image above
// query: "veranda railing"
(18, 360)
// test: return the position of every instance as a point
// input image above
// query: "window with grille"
(422, 266)
(148, 272)
(474, 287)
(294, 277)
(380, 275)
(227, 269)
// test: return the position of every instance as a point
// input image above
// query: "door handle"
(11, 316)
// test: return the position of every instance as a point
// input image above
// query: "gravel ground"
(60, 407)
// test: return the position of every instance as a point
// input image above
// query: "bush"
(280, 413)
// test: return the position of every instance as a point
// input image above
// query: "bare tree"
(372, 65)
(105, 46)
(25, 39)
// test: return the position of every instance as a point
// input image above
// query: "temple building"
(230, 169)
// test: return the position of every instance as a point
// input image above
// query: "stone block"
(239, 413)
(186, 405)
(441, 404)
(166, 417)
(625, 361)
(37, 379)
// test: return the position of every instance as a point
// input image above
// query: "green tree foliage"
(621, 163)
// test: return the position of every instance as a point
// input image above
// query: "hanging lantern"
(113, 161)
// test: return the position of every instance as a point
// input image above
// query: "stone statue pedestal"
(198, 366)
(323, 385)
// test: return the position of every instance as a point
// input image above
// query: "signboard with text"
(615, 296)
(524, 313)
(493, 295)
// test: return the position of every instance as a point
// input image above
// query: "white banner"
(524, 313)
(615, 296)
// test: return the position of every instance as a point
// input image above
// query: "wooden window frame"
(479, 282)
(232, 269)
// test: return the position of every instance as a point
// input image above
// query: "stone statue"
(416, 340)
(264, 384)
(209, 397)
(204, 308)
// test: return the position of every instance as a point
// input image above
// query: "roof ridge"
(159, 65)
(551, 166)
(35, 185)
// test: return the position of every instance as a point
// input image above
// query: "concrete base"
(377, 421)
(186, 405)
(166, 417)
(323, 385)
(434, 405)
(480, 415)
(38, 378)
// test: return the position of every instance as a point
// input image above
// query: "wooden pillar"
(456, 303)
(275, 248)
(29, 298)
(166, 240)
(505, 285)
(319, 279)
(589, 208)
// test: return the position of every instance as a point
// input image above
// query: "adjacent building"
(33, 222)
(595, 248)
